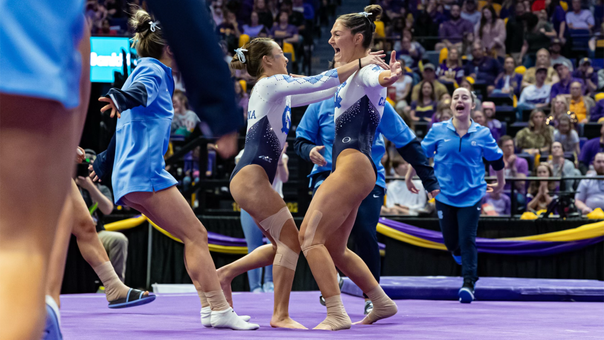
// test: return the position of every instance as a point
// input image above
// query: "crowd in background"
(536, 67)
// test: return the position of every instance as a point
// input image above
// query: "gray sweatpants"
(116, 245)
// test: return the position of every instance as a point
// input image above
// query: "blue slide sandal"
(135, 297)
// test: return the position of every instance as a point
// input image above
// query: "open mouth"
(460, 107)
(337, 50)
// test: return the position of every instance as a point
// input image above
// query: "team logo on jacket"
(473, 143)
(346, 140)
(382, 101)
(286, 119)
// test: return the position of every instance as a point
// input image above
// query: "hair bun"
(375, 11)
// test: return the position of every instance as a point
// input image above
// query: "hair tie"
(366, 14)
(154, 25)
(240, 54)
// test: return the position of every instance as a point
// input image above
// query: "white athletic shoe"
(229, 319)
(206, 317)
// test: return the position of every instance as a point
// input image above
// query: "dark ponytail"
(359, 23)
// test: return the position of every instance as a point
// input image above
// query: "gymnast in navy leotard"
(269, 120)
(330, 217)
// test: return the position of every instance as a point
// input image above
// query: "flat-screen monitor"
(107, 56)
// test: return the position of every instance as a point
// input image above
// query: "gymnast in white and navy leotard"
(269, 115)
(359, 107)
(269, 121)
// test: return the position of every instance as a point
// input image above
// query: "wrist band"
(360, 67)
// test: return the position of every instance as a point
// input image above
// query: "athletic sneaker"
(268, 287)
(340, 283)
(368, 307)
(457, 258)
(466, 293)
(258, 290)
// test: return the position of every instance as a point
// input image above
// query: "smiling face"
(177, 104)
(344, 42)
(462, 103)
(279, 60)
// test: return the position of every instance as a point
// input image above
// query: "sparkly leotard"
(269, 115)
(359, 107)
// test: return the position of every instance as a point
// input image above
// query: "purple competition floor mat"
(487, 289)
(176, 316)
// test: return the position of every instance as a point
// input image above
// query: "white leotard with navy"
(359, 107)
(269, 115)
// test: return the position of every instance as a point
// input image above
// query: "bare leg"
(37, 153)
(58, 255)
(261, 257)
(334, 204)
(250, 183)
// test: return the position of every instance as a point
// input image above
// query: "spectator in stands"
(443, 111)
(491, 31)
(544, 25)
(411, 51)
(429, 75)
(498, 202)
(559, 108)
(427, 22)
(539, 191)
(555, 57)
(579, 19)
(515, 32)
(565, 79)
(265, 17)
(586, 73)
(295, 18)
(114, 8)
(106, 29)
(590, 194)
(508, 82)
(537, 137)
(579, 104)
(453, 31)
(185, 120)
(567, 136)
(535, 38)
(451, 68)
(228, 30)
(563, 167)
(543, 60)
(241, 97)
(284, 31)
(468, 84)
(479, 118)
(507, 9)
(392, 10)
(488, 108)
(99, 201)
(537, 95)
(402, 88)
(394, 32)
(557, 16)
(254, 27)
(589, 151)
(217, 12)
(597, 112)
(515, 167)
(424, 107)
(470, 13)
(482, 67)
(399, 200)
(96, 13)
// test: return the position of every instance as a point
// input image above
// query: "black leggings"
(364, 231)
(459, 226)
